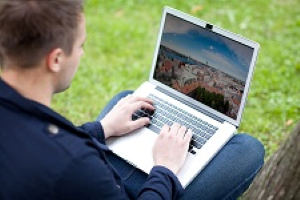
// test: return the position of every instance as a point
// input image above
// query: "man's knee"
(250, 147)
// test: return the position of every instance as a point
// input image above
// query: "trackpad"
(143, 158)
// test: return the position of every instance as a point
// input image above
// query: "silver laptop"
(200, 78)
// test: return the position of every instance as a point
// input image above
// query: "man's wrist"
(108, 131)
(171, 167)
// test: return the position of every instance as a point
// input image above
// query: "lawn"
(121, 40)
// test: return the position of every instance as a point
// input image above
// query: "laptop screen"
(204, 65)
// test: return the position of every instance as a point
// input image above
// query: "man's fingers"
(188, 135)
(139, 123)
(140, 104)
(164, 130)
(174, 128)
(181, 132)
(133, 98)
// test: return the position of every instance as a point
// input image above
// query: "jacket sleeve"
(161, 184)
(95, 130)
(90, 178)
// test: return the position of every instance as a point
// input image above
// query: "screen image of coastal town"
(207, 67)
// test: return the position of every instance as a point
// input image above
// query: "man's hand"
(171, 147)
(119, 120)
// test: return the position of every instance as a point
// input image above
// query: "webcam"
(209, 26)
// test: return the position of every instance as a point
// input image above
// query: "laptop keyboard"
(166, 113)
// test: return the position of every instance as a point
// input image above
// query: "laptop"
(200, 78)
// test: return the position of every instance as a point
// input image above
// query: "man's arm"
(95, 130)
(169, 151)
(164, 182)
(89, 177)
(118, 121)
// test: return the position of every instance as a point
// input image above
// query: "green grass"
(120, 45)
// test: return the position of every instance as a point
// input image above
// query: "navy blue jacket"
(44, 156)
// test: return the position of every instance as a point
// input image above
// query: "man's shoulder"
(21, 127)
(36, 152)
(36, 123)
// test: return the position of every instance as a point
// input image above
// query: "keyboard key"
(210, 131)
(192, 151)
(154, 128)
(196, 144)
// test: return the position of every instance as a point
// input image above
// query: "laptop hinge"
(219, 119)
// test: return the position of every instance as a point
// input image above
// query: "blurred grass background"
(120, 45)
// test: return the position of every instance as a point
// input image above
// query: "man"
(44, 156)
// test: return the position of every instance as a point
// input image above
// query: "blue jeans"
(226, 176)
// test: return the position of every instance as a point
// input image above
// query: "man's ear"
(54, 60)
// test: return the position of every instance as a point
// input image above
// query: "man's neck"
(30, 84)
